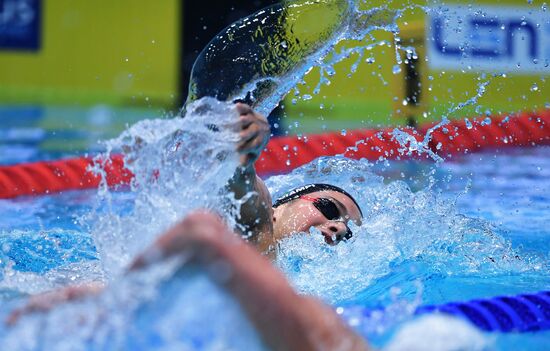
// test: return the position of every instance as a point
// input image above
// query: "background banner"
(20, 25)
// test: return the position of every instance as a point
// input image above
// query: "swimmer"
(284, 319)
(325, 207)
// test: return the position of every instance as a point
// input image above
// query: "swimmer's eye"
(327, 207)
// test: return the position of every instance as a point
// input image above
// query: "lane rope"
(283, 154)
(521, 313)
(504, 314)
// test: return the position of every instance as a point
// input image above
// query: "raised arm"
(256, 212)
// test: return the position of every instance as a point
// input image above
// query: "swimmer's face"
(303, 213)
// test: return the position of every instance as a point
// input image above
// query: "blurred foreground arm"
(47, 301)
(284, 319)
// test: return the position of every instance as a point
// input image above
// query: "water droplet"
(405, 102)
(294, 101)
(344, 132)
(307, 97)
(370, 60)
(486, 121)
(285, 147)
(396, 69)
(439, 146)
(6, 248)
(126, 59)
(468, 123)
(284, 44)
(534, 87)
(288, 163)
(322, 106)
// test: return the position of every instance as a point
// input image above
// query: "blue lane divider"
(521, 313)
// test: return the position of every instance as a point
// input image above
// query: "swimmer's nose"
(337, 227)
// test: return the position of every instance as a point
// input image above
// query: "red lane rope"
(56, 176)
(283, 154)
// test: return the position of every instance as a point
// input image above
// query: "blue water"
(475, 227)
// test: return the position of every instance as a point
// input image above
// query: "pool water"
(472, 228)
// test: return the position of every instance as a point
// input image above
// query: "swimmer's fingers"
(246, 120)
(243, 109)
(254, 136)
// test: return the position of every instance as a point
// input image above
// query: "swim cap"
(312, 188)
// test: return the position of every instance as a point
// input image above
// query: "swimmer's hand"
(253, 135)
(47, 301)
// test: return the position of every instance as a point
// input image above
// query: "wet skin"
(301, 215)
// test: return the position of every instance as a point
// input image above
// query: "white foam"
(438, 332)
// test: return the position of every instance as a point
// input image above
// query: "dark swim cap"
(312, 188)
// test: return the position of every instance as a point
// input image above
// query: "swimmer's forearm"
(255, 213)
(47, 301)
(286, 320)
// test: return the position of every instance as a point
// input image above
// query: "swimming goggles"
(330, 211)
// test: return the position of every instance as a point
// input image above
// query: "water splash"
(178, 165)
(406, 234)
(155, 309)
(439, 332)
(32, 262)
(260, 58)
(420, 234)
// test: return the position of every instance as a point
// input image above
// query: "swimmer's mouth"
(328, 239)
